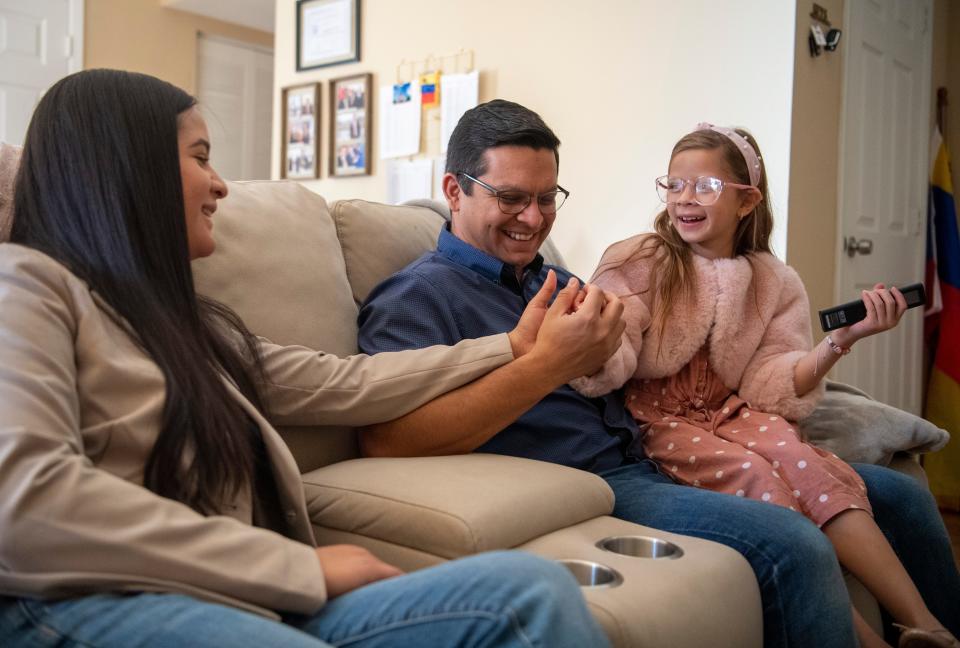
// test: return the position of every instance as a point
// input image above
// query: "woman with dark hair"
(144, 497)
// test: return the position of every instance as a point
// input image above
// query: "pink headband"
(747, 151)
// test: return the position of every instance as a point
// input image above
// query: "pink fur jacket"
(756, 335)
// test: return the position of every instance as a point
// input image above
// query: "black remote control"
(852, 312)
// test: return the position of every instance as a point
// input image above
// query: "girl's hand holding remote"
(884, 306)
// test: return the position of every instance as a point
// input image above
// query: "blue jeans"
(495, 599)
(907, 514)
(805, 602)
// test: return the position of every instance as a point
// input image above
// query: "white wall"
(619, 81)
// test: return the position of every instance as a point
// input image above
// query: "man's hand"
(884, 306)
(575, 343)
(524, 336)
(589, 336)
(347, 567)
(553, 344)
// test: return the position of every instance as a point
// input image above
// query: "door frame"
(76, 11)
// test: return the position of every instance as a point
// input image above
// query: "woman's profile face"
(202, 187)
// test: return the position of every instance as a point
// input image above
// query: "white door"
(235, 90)
(883, 183)
(40, 42)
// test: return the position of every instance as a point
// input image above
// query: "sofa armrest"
(655, 605)
(453, 506)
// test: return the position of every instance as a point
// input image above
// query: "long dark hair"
(99, 190)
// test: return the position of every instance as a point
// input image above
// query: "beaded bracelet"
(836, 348)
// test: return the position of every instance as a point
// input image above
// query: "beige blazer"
(80, 410)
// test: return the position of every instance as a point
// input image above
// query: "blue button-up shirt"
(458, 292)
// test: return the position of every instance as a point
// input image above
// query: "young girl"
(718, 359)
(144, 497)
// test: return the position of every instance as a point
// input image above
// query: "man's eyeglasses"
(706, 189)
(514, 202)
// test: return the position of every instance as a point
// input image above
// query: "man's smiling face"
(477, 218)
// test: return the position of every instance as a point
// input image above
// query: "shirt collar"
(462, 253)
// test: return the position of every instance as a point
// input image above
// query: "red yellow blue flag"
(943, 390)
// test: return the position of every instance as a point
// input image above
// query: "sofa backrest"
(278, 265)
(295, 270)
(378, 240)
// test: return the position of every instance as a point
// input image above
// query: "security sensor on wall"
(833, 39)
(818, 39)
(818, 36)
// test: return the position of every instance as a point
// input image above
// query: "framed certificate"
(328, 33)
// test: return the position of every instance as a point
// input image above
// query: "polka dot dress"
(702, 434)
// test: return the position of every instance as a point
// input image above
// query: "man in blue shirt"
(501, 186)
(457, 293)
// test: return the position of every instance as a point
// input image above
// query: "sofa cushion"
(469, 503)
(379, 240)
(300, 274)
(278, 265)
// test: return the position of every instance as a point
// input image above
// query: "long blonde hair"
(673, 254)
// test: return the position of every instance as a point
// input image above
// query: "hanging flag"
(943, 390)
(429, 89)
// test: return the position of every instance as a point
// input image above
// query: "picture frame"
(351, 111)
(328, 33)
(300, 149)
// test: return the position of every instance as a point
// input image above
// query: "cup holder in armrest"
(591, 574)
(640, 547)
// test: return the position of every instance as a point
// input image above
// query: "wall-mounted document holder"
(457, 62)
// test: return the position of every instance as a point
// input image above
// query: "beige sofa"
(296, 269)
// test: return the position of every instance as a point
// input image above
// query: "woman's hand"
(347, 567)
(885, 307)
